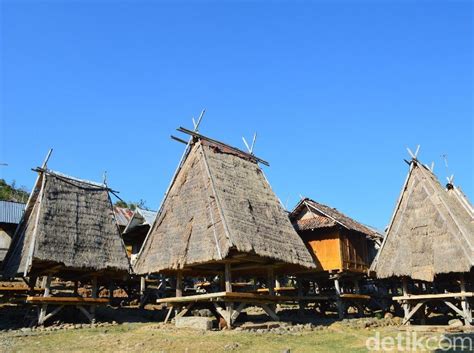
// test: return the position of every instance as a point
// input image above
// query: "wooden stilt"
(94, 295)
(406, 304)
(76, 287)
(32, 284)
(228, 288)
(179, 289)
(301, 303)
(44, 307)
(277, 286)
(227, 277)
(339, 302)
(179, 284)
(466, 309)
(111, 291)
(142, 286)
(271, 281)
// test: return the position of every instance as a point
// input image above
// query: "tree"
(10, 192)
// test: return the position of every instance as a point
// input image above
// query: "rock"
(194, 322)
(455, 323)
(388, 316)
(231, 346)
(203, 313)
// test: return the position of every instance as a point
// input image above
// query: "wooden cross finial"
(450, 179)
(414, 155)
(45, 162)
(250, 148)
(445, 158)
(198, 122)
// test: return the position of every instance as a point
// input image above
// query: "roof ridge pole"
(28, 202)
(187, 149)
(29, 259)
(219, 206)
(43, 166)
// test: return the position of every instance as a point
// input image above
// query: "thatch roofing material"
(323, 216)
(220, 202)
(68, 224)
(431, 231)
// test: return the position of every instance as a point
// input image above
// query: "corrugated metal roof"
(140, 217)
(11, 212)
(122, 215)
(148, 216)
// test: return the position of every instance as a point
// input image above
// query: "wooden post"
(339, 303)
(47, 288)
(31, 284)
(76, 287)
(227, 277)
(179, 284)
(405, 305)
(94, 295)
(277, 283)
(228, 288)
(111, 291)
(466, 309)
(142, 286)
(277, 286)
(271, 281)
(299, 285)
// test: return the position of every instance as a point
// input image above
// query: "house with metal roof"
(136, 230)
(10, 215)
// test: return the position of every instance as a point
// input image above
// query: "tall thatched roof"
(220, 206)
(322, 216)
(431, 231)
(68, 227)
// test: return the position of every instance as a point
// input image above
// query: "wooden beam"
(439, 296)
(228, 277)
(271, 281)
(179, 284)
(67, 300)
(199, 136)
(410, 313)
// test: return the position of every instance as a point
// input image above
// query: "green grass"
(152, 338)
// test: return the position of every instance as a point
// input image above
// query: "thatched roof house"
(68, 228)
(336, 241)
(220, 208)
(431, 231)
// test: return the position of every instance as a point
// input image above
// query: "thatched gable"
(431, 231)
(68, 226)
(220, 205)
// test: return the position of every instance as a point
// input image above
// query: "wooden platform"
(439, 296)
(353, 296)
(224, 297)
(19, 289)
(67, 300)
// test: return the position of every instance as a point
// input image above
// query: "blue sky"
(336, 91)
